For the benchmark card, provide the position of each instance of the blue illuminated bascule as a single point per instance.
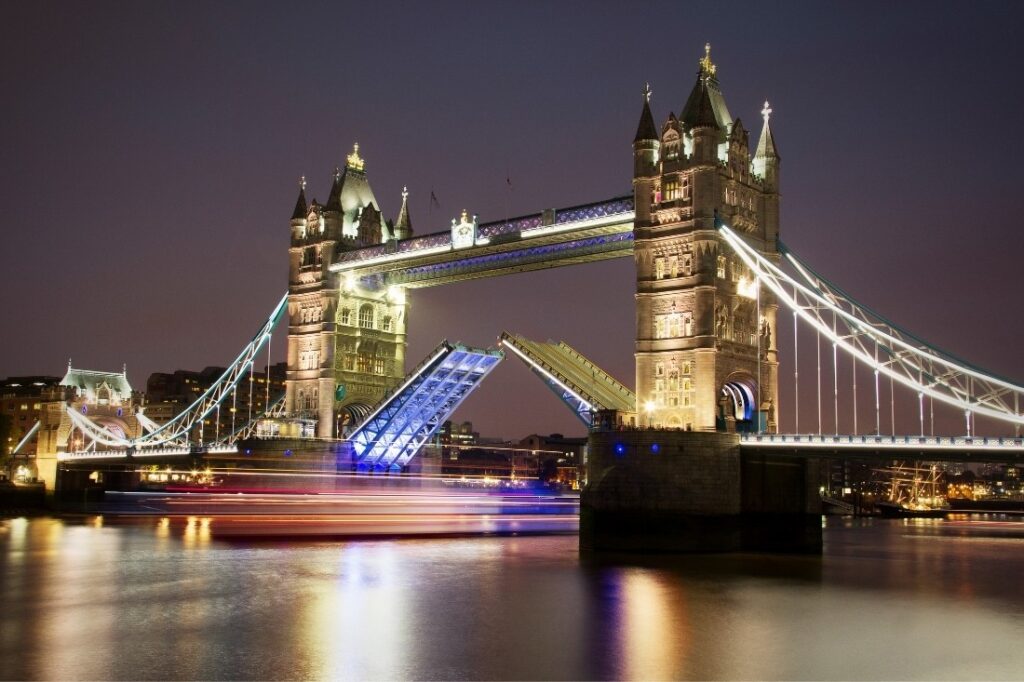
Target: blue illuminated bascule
(404, 420)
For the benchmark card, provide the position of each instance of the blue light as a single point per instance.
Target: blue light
(655, 448)
(248, 451)
(620, 449)
(287, 453)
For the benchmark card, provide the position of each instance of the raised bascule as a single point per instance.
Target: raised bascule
(693, 453)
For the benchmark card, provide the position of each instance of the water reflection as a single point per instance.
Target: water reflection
(163, 598)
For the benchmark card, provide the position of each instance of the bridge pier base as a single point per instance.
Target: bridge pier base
(678, 491)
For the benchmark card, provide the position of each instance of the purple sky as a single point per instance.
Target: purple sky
(151, 154)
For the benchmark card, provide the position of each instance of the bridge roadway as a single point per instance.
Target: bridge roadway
(988, 449)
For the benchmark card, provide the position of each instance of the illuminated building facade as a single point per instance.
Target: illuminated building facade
(705, 338)
(21, 402)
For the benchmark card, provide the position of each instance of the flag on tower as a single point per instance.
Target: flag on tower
(433, 199)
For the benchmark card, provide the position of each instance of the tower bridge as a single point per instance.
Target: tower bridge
(703, 227)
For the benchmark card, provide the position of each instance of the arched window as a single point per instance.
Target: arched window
(366, 316)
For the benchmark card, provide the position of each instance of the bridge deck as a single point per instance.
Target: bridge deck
(576, 380)
(937, 448)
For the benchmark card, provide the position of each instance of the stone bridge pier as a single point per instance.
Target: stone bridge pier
(654, 490)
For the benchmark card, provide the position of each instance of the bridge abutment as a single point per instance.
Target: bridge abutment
(654, 490)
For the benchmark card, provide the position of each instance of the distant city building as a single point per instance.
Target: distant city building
(170, 393)
(21, 402)
(559, 458)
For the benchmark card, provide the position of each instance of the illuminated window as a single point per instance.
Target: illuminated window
(671, 190)
(659, 268)
(378, 365)
(673, 266)
(364, 363)
(721, 267)
(687, 265)
(659, 327)
(673, 329)
(366, 316)
(687, 368)
(346, 316)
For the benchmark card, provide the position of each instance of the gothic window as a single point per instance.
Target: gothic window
(671, 191)
(686, 188)
(346, 316)
(687, 325)
(687, 265)
(673, 266)
(364, 363)
(673, 330)
(721, 267)
(659, 268)
(659, 384)
(309, 359)
(737, 272)
(659, 369)
(687, 384)
(386, 323)
(319, 256)
(659, 327)
(366, 316)
(687, 368)
(378, 365)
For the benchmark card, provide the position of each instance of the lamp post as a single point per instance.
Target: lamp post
(649, 409)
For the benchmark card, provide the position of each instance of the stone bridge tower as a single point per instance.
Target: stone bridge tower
(346, 339)
(706, 354)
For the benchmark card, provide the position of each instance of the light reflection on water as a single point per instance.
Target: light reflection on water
(156, 598)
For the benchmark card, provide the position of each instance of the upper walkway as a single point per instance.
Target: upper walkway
(552, 238)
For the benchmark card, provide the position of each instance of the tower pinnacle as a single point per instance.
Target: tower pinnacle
(300, 204)
(646, 130)
(353, 160)
(707, 67)
(766, 112)
(403, 225)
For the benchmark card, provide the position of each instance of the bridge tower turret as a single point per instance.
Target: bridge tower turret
(346, 338)
(705, 343)
(646, 147)
(309, 383)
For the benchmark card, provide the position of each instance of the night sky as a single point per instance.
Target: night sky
(151, 154)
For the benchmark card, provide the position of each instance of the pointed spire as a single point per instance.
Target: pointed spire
(766, 145)
(334, 200)
(699, 112)
(646, 129)
(403, 226)
(300, 204)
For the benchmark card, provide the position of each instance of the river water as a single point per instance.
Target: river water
(151, 598)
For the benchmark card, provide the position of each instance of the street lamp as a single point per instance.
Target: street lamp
(649, 409)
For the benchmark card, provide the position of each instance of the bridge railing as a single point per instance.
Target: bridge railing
(867, 441)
